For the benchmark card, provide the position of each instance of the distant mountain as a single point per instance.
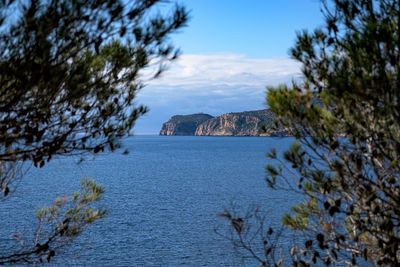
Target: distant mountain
(247, 123)
(184, 124)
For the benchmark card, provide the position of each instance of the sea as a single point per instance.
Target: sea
(163, 199)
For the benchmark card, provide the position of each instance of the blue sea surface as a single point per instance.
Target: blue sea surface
(163, 199)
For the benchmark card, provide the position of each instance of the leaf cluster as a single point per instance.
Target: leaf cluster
(69, 74)
(70, 71)
(59, 224)
(345, 116)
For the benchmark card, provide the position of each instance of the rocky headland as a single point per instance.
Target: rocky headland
(184, 124)
(247, 123)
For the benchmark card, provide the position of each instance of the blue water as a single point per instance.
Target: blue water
(163, 199)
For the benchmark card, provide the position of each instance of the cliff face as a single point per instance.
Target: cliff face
(229, 124)
(183, 124)
(246, 123)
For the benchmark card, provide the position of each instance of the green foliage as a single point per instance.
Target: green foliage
(193, 118)
(345, 114)
(69, 74)
(71, 216)
(59, 224)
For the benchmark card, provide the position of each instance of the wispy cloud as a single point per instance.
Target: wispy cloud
(227, 70)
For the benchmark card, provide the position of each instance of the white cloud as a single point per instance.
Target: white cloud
(226, 70)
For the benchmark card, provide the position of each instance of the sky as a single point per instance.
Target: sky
(230, 51)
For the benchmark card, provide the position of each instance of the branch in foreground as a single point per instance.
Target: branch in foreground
(59, 225)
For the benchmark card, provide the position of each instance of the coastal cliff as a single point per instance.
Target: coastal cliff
(246, 123)
(184, 124)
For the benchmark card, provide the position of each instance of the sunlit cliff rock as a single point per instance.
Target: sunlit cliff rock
(248, 123)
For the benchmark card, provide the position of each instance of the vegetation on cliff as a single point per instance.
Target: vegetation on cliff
(247, 123)
(184, 124)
